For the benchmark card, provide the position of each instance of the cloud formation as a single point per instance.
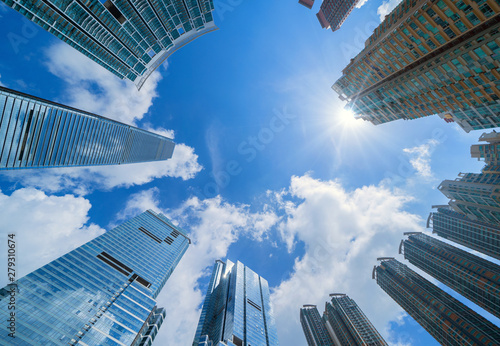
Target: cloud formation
(420, 157)
(343, 232)
(386, 8)
(45, 227)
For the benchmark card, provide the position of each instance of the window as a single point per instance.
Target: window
(115, 12)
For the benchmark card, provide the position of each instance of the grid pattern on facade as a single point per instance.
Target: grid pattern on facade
(314, 327)
(130, 38)
(473, 277)
(449, 321)
(457, 227)
(81, 298)
(39, 133)
(335, 12)
(429, 58)
(237, 308)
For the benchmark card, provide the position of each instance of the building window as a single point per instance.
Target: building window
(115, 12)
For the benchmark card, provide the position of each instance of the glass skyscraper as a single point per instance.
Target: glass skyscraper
(37, 133)
(237, 309)
(130, 38)
(473, 277)
(347, 323)
(333, 13)
(479, 236)
(101, 293)
(314, 327)
(449, 321)
(429, 57)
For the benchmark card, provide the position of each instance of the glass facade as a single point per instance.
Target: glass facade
(479, 236)
(429, 57)
(314, 327)
(473, 277)
(349, 324)
(102, 293)
(37, 133)
(130, 38)
(237, 309)
(449, 321)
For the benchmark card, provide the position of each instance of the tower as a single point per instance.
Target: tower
(237, 309)
(37, 133)
(102, 292)
(333, 13)
(449, 321)
(314, 327)
(130, 38)
(428, 58)
(473, 277)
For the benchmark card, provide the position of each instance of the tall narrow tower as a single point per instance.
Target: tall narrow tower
(449, 321)
(473, 277)
(333, 13)
(314, 327)
(429, 57)
(237, 309)
(348, 324)
(101, 293)
(130, 38)
(37, 133)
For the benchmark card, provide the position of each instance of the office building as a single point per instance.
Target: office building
(314, 327)
(37, 133)
(473, 277)
(130, 38)
(237, 309)
(101, 293)
(333, 13)
(476, 235)
(449, 321)
(348, 325)
(429, 57)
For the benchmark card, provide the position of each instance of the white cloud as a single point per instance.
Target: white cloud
(94, 89)
(213, 225)
(420, 157)
(344, 232)
(46, 227)
(386, 8)
(361, 3)
(82, 180)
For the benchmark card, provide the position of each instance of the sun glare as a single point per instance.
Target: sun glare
(346, 118)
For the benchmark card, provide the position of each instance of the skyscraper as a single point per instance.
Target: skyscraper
(128, 37)
(39, 133)
(333, 13)
(478, 195)
(479, 236)
(347, 323)
(101, 293)
(237, 310)
(314, 327)
(426, 58)
(449, 321)
(473, 277)
(307, 3)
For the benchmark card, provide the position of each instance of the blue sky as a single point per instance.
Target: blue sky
(268, 168)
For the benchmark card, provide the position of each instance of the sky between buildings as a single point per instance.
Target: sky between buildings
(268, 168)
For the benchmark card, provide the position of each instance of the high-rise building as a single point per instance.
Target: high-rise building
(237, 309)
(489, 153)
(130, 38)
(479, 236)
(473, 277)
(333, 13)
(449, 321)
(348, 325)
(429, 57)
(101, 293)
(307, 3)
(39, 133)
(314, 327)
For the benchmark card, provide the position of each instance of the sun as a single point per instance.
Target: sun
(346, 118)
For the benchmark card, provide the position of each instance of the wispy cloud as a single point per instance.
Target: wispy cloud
(420, 157)
(361, 3)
